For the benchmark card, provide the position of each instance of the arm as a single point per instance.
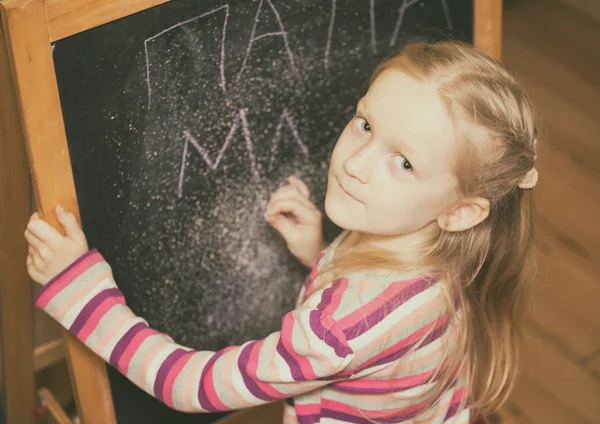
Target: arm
(309, 348)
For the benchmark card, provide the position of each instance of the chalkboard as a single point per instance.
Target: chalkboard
(182, 119)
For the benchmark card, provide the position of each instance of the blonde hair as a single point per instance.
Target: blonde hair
(487, 269)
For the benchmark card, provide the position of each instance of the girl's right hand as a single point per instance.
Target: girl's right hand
(298, 220)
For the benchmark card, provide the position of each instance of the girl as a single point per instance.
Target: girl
(411, 314)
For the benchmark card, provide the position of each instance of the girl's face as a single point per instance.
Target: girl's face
(391, 172)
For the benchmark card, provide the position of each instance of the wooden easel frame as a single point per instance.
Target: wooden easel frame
(34, 142)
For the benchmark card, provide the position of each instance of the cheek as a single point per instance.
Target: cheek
(406, 207)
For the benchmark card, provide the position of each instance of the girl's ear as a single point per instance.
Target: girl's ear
(465, 214)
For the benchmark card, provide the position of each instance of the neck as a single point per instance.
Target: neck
(407, 244)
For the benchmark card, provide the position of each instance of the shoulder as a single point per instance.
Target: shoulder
(362, 294)
(373, 311)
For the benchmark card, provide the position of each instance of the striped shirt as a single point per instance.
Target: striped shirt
(361, 349)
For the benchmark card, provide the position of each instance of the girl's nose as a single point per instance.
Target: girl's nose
(361, 163)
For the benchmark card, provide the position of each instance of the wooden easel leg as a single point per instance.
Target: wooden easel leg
(27, 38)
(56, 415)
(16, 317)
(487, 28)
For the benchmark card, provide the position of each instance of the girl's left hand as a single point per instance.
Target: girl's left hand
(49, 251)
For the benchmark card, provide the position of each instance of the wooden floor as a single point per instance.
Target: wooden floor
(556, 52)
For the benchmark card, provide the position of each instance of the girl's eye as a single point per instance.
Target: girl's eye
(402, 163)
(363, 125)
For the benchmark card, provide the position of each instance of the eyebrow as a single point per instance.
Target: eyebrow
(397, 142)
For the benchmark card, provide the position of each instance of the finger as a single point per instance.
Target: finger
(44, 232)
(70, 224)
(33, 241)
(299, 184)
(302, 213)
(283, 226)
(36, 260)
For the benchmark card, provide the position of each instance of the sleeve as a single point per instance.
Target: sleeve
(307, 353)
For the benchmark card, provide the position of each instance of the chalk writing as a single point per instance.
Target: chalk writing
(253, 38)
(405, 5)
(285, 116)
(329, 35)
(372, 25)
(222, 58)
(239, 119)
(447, 13)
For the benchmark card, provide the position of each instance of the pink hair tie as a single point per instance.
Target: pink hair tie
(530, 179)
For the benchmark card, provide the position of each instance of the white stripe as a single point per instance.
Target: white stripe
(359, 292)
(181, 379)
(154, 366)
(437, 415)
(195, 402)
(76, 309)
(138, 357)
(124, 328)
(236, 378)
(76, 284)
(103, 324)
(282, 367)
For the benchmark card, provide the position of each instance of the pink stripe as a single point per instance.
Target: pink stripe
(133, 347)
(339, 406)
(146, 362)
(226, 368)
(383, 339)
(396, 383)
(68, 277)
(409, 381)
(336, 297)
(95, 318)
(403, 325)
(67, 304)
(371, 413)
(252, 372)
(414, 337)
(172, 376)
(194, 370)
(286, 338)
(458, 395)
(307, 409)
(209, 383)
(376, 303)
(116, 324)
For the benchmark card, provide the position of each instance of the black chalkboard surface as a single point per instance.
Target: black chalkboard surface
(182, 119)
